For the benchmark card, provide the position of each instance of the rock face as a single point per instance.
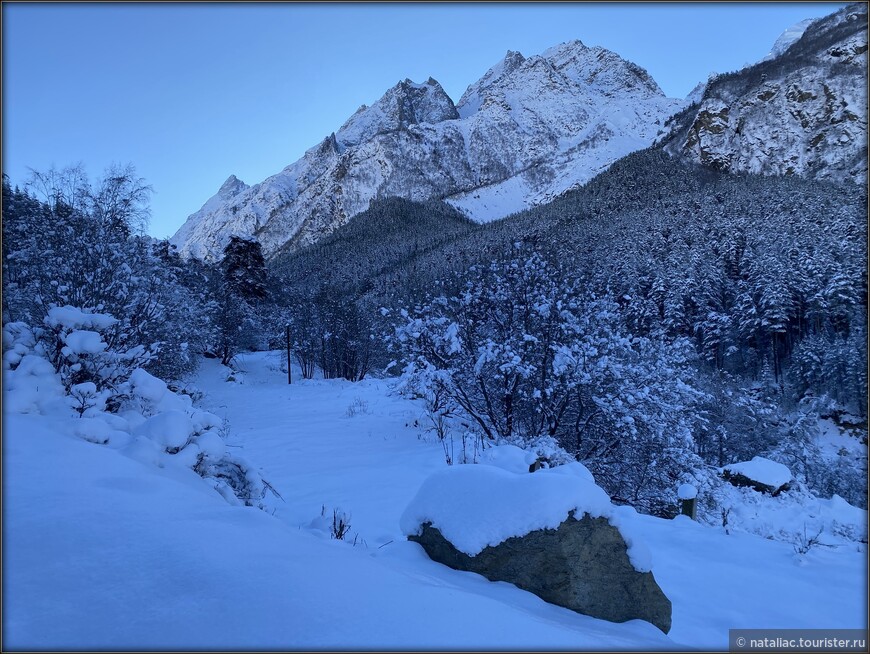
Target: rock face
(534, 127)
(802, 111)
(736, 479)
(529, 129)
(582, 565)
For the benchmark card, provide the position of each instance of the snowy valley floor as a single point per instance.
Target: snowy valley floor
(104, 552)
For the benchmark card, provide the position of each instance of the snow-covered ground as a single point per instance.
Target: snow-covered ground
(104, 551)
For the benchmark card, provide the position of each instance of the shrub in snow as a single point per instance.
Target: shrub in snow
(235, 478)
(340, 524)
(171, 429)
(520, 353)
(358, 407)
(149, 395)
(81, 246)
(553, 533)
(18, 340)
(146, 386)
(783, 517)
(29, 381)
(134, 412)
(804, 543)
(191, 437)
(78, 345)
(333, 523)
(85, 398)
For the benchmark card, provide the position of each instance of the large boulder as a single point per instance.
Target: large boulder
(501, 525)
(582, 565)
(760, 474)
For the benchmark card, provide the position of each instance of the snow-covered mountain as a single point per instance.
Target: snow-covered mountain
(802, 111)
(529, 129)
(788, 37)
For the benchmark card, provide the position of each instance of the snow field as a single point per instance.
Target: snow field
(107, 551)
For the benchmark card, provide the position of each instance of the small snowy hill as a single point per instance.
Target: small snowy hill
(103, 551)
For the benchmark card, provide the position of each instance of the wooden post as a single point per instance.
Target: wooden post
(688, 496)
(689, 508)
(289, 362)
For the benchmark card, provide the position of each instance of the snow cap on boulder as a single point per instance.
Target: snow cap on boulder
(476, 506)
(761, 474)
(555, 534)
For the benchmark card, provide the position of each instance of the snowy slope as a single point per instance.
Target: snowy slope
(529, 129)
(588, 104)
(788, 37)
(103, 551)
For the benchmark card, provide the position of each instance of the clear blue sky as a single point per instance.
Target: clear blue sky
(190, 93)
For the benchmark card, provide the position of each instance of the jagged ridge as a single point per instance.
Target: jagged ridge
(529, 129)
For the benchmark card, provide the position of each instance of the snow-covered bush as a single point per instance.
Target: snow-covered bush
(77, 344)
(81, 245)
(521, 354)
(358, 407)
(192, 436)
(66, 370)
(30, 382)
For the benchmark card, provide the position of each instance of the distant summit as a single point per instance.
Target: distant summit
(788, 37)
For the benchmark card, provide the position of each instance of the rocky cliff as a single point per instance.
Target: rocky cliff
(802, 111)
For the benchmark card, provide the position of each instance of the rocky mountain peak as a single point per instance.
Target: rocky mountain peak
(601, 69)
(476, 93)
(592, 69)
(406, 103)
(529, 129)
(329, 145)
(788, 37)
(513, 59)
(424, 103)
(233, 186)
